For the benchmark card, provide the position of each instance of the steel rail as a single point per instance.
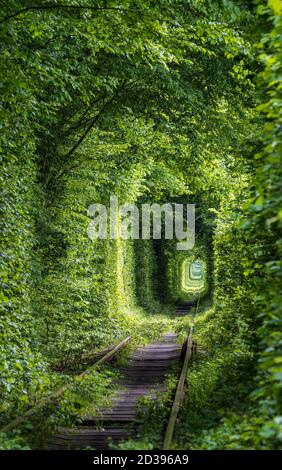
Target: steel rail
(179, 394)
(55, 395)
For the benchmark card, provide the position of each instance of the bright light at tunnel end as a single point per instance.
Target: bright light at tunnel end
(145, 221)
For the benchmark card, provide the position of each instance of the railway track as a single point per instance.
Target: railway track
(143, 376)
(183, 308)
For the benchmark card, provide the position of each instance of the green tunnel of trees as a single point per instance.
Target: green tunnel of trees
(152, 102)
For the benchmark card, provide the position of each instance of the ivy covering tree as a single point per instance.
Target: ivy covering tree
(153, 102)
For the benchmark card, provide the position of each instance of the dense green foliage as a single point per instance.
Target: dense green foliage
(242, 331)
(151, 102)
